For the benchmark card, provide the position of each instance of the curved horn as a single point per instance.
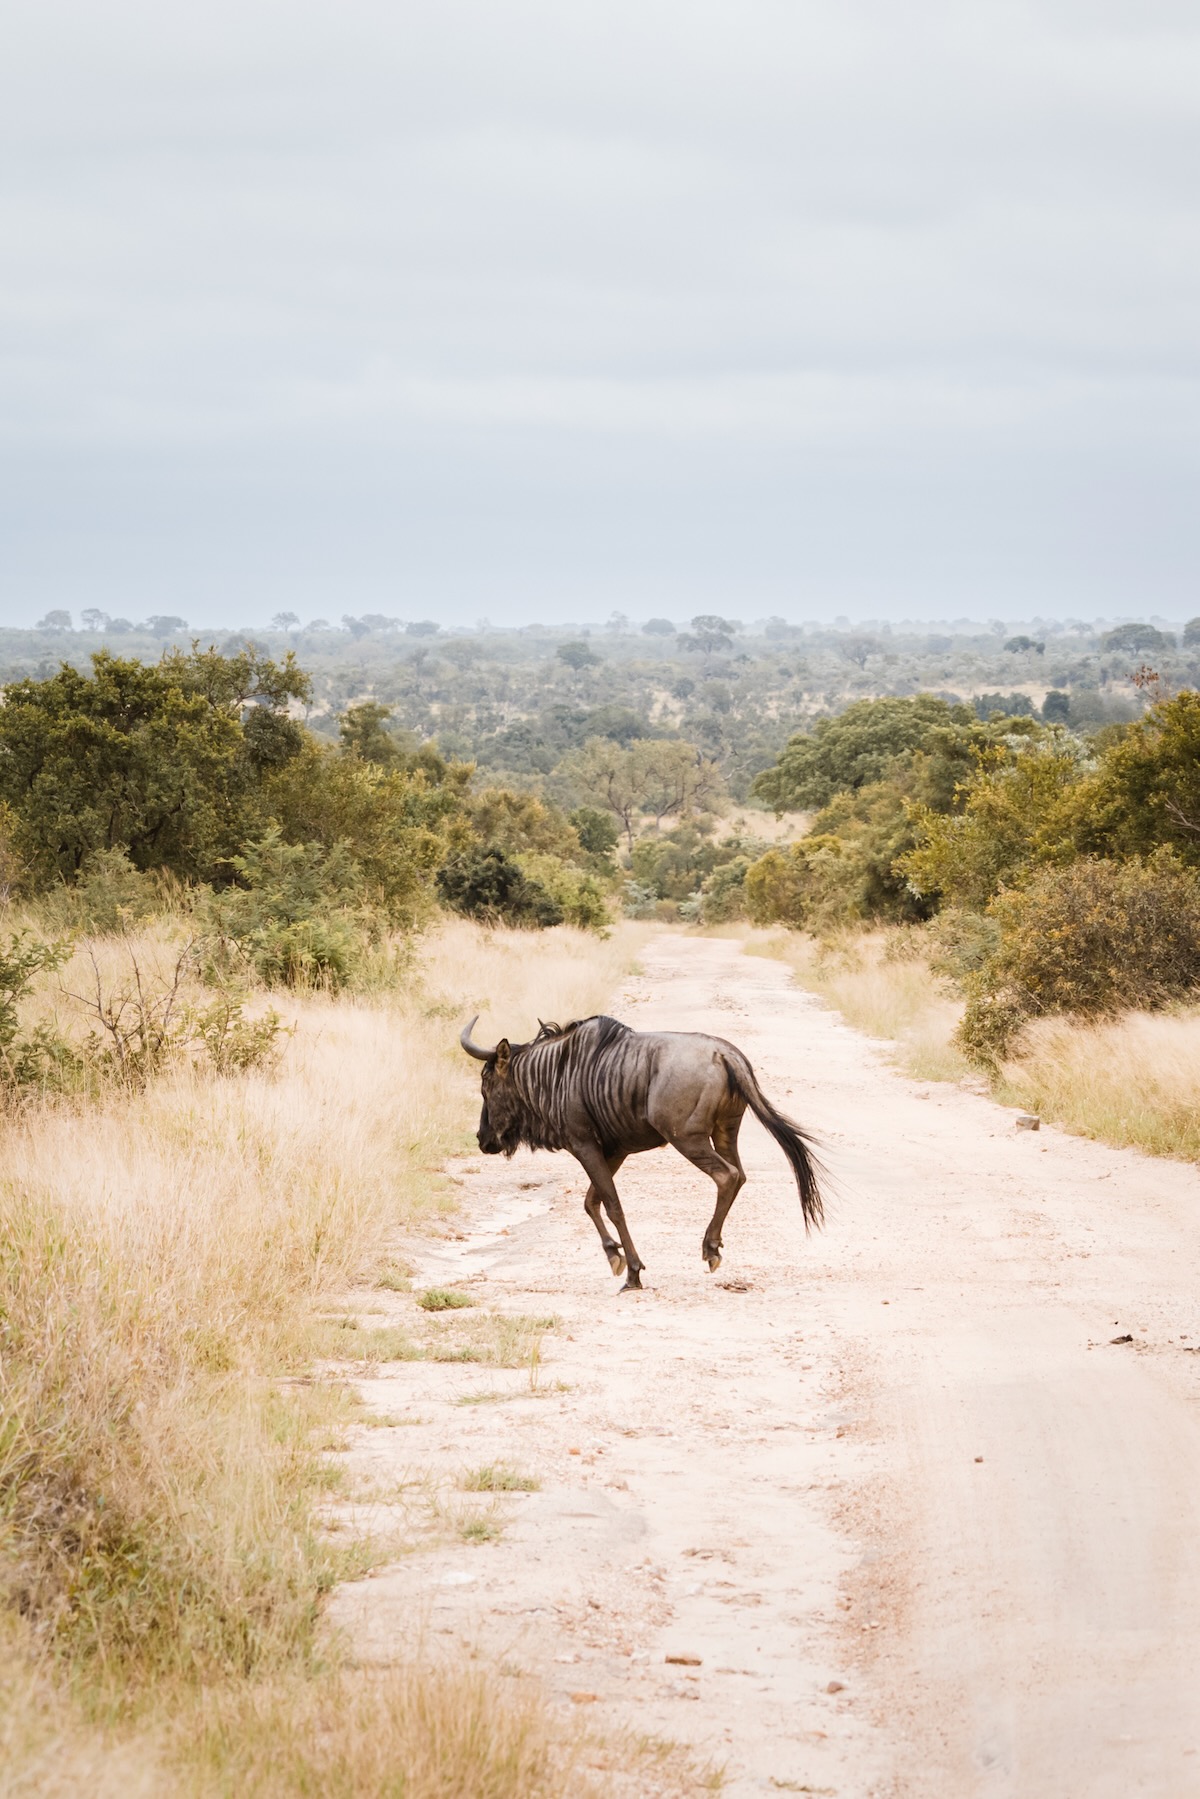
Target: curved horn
(473, 1049)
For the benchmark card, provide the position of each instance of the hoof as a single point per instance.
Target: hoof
(617, 1264)
(633, 1284)
(713, 1260)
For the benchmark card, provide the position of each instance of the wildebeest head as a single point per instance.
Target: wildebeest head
(500, 1121)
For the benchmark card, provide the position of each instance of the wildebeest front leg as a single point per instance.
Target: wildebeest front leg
(591, 1206)
(597, 1170)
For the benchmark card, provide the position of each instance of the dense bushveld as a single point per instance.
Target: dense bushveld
(175, 1237)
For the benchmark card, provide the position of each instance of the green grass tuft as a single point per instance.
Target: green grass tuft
(443, 1299)
(498, 1477)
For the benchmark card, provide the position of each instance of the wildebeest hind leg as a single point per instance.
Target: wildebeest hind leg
(591, 1206)
(596, 1168)
(719, 1160)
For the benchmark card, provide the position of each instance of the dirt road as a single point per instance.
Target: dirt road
(902, 1460)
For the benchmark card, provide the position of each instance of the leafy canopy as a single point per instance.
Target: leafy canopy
(168, 760)
(861, 745)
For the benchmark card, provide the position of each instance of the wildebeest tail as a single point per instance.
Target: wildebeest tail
(795, 1143)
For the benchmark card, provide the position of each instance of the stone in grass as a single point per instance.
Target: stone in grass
(1028, 1121)
(443, 1299)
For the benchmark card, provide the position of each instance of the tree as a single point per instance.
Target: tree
(422, 627)
(618, 624)
(355, 626)
(488, 885)
(1016, 645)
(658, 627)
(55, 621)
(167, 761)
(606, 773)
(285, 621)
(857, 649)
(1137, 638)
(362, 732)
(397, 823)
(663, 777)
(1056, 707)
(165, 624)
(1018, 813)
(1191, 633)
(519, 823)
(673, 778)
(597, 832)
(577, 655)
(709, 634)
(1146, 790)
(93, 619)
(859, 746)
(379, 621)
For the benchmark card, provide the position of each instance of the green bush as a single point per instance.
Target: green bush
(578, 893)
(1091, 939)
(813, 885)
(488, 885)
(300, 919)
(723, 895)
(111, 896)
(638, 900)
(597, 831)
(28, 1058)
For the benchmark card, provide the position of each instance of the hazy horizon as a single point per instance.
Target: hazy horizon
(531, 314)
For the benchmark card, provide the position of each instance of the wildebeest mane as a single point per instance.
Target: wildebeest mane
(562, 1062)
(607, 1029)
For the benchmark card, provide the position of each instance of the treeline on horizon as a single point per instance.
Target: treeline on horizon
(515, 701)
(300, 815)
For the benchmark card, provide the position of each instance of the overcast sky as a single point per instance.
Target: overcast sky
(534, 311)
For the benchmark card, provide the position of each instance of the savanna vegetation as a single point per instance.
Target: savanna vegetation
(247, 888)
(230, 957)
(1007, 895)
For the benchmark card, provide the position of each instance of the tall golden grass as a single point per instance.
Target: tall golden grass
(1133, 1081)
(164, 1255)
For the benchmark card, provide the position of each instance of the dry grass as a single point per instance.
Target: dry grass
(881, 986)
(165, 1258)
(423, 1731)
(1134, 1081)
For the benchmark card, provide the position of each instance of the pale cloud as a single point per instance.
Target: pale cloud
(522, 309)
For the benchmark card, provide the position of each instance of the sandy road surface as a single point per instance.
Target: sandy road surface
(906, 1458)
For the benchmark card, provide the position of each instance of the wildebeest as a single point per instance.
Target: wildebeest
(605, 1092)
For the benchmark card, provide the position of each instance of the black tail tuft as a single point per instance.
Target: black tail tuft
(796, 1144)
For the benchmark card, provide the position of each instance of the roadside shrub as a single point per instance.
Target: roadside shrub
(638, 900)
(578, 894)
(146, 1017)
(301, 918)
(37, 1057)
(109, 897)
(723, 895)
(814, 885)
(957, 943)
(488, 885)
(1090, 940)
